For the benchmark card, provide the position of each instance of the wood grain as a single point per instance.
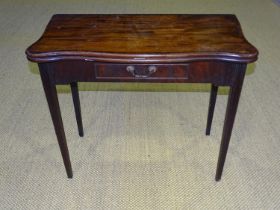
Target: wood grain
(142, 39)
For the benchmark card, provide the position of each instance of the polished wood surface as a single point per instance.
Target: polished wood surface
(143, 39)
(143, 48)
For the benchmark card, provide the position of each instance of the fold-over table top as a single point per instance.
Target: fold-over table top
(142, 38)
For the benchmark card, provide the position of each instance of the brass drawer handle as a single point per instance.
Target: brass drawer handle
(147, 73)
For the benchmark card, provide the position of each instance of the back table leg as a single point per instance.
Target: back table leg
(51, 95)
(212, 102)
(77, 106)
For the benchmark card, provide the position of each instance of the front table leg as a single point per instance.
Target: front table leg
(234, 94)
(51, 95)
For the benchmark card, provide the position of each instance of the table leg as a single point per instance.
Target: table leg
(233, 99)
(77, 106)
(51, 95)
(212, 102)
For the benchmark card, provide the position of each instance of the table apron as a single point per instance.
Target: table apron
(218, 73)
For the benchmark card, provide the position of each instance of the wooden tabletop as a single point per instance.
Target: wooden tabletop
(143, 38)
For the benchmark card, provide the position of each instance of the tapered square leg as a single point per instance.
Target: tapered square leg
(51, 96)
(77, 106)
(211, 108)
(232, 105)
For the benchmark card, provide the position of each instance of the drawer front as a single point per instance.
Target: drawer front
(200, 72)
(141, 71)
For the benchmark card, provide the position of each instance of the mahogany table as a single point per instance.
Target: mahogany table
(143, 48)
